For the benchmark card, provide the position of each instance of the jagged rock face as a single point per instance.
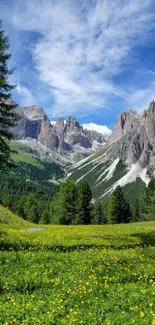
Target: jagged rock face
(64, 137)
(127, 122)
(59, 129)
(148, 120)
(133, 138)
(73, 133)
(94, 136)
(34, 124)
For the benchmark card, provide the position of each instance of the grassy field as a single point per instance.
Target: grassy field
(92, 275)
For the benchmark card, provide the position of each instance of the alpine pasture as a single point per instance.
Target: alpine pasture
(90, 275)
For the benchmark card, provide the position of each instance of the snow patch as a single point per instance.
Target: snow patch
(111, 169)
(135, 171)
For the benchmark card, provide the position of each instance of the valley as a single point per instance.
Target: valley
(77, 162)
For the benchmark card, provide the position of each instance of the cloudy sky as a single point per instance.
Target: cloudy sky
(87, 58)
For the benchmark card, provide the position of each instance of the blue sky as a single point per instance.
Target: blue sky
(88, 58)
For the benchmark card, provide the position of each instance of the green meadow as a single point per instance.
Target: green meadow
(92, 275)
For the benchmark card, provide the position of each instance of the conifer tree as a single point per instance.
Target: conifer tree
(98, 214)
(84, 205)
(65, 205)
(136, 211)
(8, 116)
(118, 207)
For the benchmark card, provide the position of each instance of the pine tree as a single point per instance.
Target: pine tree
(136, 211)
(118, 207)
(65, 205)
(98, 214)
(8, 117)
(84, 206)
(147, 202)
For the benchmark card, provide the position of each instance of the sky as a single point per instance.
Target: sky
(91, 59)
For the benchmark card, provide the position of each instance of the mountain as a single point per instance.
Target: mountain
(127, 159)
(68, 139)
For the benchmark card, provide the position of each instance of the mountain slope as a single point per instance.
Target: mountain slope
(37, 164)
(128, 158)
(9, 218)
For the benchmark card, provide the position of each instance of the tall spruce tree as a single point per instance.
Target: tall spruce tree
(98, 215)
(136, 211)
(118, 207)
(84, 206)
(65, 205)
(8, 117)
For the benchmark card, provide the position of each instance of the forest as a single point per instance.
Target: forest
(71, 203)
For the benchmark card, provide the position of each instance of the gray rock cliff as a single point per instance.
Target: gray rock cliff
(62, 137)
(133, 138)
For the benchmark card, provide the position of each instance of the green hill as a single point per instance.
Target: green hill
(9, 218)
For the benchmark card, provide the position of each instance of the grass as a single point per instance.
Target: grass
(9, 218)
(23, 156)
(92, 275)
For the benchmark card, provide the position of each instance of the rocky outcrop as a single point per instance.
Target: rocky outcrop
(74, 134)
(33, 123)
(127, 123)
(133, 138)
(62, 137)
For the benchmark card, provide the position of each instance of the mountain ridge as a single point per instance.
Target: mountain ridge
(127, 157)
(68, 139)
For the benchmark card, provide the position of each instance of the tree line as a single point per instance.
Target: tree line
(71, 203)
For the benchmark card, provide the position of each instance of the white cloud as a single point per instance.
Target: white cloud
(103, 129)
(83, 45)
(53, 122)
(98, 128)
(26, 96)
(141, 98)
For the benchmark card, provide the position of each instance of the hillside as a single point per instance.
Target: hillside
(105, 174)
(11, 219)
(35, 164)
(127, 159)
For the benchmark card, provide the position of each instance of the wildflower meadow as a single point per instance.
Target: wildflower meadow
(92, 275)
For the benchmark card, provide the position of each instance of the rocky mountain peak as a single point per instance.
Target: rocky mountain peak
(125, 123)
(151, 107)
(60, 123)
(33, 112)
(148, 120)
(65, 137)
(72, 124)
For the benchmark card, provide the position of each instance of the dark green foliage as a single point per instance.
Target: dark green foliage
(136, 211)
(29, 200)
(84, 206)
(151, 186)
(118, 208)
(134, 190)
(99, 215)
(34, 173)
(146, 203)
(8, 116)
(72, 204)
(65, 205)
